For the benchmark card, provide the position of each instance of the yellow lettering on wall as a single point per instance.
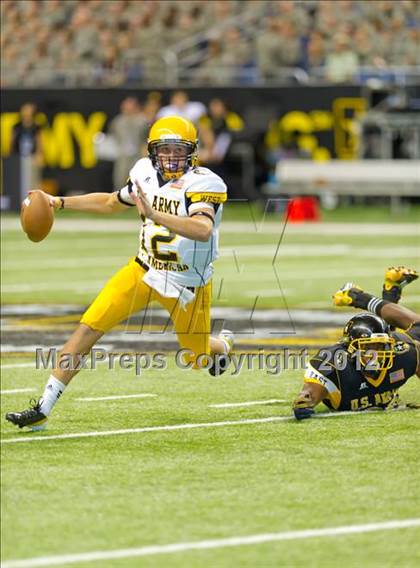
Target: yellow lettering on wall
(57, 143)
(8, 120)
(59, 138)
(297, 120)
(321, 119)
(346, 111)
(305, 125)
(84, 132)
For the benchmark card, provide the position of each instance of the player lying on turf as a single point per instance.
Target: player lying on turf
(370, 363)
(181, 208)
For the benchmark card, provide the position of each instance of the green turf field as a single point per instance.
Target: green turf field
(246, 479)
(68, 496)
(302, 272)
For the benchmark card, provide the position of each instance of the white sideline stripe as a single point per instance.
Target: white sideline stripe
(95, 556)
(16, 365)
(146, 429)
(94, 399)
(249, 403)
(13, 391)
(28, 438)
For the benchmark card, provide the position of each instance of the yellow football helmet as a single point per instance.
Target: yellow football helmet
(172, 146)
(367, 339)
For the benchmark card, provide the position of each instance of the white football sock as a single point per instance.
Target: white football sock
(53, 390)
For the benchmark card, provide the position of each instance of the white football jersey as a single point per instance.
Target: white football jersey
(190, 262)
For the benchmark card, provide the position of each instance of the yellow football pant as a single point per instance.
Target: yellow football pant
(126, 293)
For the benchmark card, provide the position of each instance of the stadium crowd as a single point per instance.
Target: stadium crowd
(131, 42)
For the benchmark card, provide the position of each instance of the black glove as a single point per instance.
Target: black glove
(303, 406)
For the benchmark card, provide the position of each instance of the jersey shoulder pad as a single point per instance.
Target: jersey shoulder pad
(203, 185)
(325, 359)
(401, 347)
(319, 367)
(140, 169)
(320, 371)
(411, 334)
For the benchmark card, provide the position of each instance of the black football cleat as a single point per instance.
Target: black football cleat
(31, 418)
(220, 365)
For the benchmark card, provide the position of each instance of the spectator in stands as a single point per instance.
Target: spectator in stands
(363, 43)
(27, 143)
(411, 52)
(293, 13)
(84, 31)
(405, 46)
(277, 48)
(169, 33)
(267, 49)
(129, 130)
(181, 105)
(315, 51)
(55, 13)
(151, 106)
(41, 70)
(279, 29)
(218, 128)
(236, 50)
(341, 64)
(61, 40)
(221, 119)
(146, 30)
(219, 10)
(290, 47)
(109, 71)
(212, 71)
(190, 23)
(12, 67)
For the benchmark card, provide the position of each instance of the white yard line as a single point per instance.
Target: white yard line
(259, 226)
(307, 250)
(27, 437)
(249, 403)
(119, 397)
(285, 277)
(234, 541)
(80, 286)
(17, 365)
(13, 391)
(68, 263)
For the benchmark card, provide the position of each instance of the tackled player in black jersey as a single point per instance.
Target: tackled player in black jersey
(371, 362)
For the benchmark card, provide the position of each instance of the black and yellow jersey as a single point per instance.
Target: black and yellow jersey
(349, 389)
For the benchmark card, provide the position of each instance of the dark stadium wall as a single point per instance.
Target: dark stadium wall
(70, 118)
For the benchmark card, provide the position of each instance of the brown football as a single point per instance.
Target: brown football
(36, 216)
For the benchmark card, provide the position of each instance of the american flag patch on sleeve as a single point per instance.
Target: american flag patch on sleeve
(396, 376)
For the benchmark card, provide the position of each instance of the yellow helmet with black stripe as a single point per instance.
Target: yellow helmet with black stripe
(172, 146)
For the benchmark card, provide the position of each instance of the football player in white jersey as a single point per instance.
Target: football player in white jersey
(181, 208)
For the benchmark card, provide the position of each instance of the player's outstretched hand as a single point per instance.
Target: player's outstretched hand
(143, 205)
(348, 295)
(396, 277)
(303, 406)
(55, 202)
(400, 275)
